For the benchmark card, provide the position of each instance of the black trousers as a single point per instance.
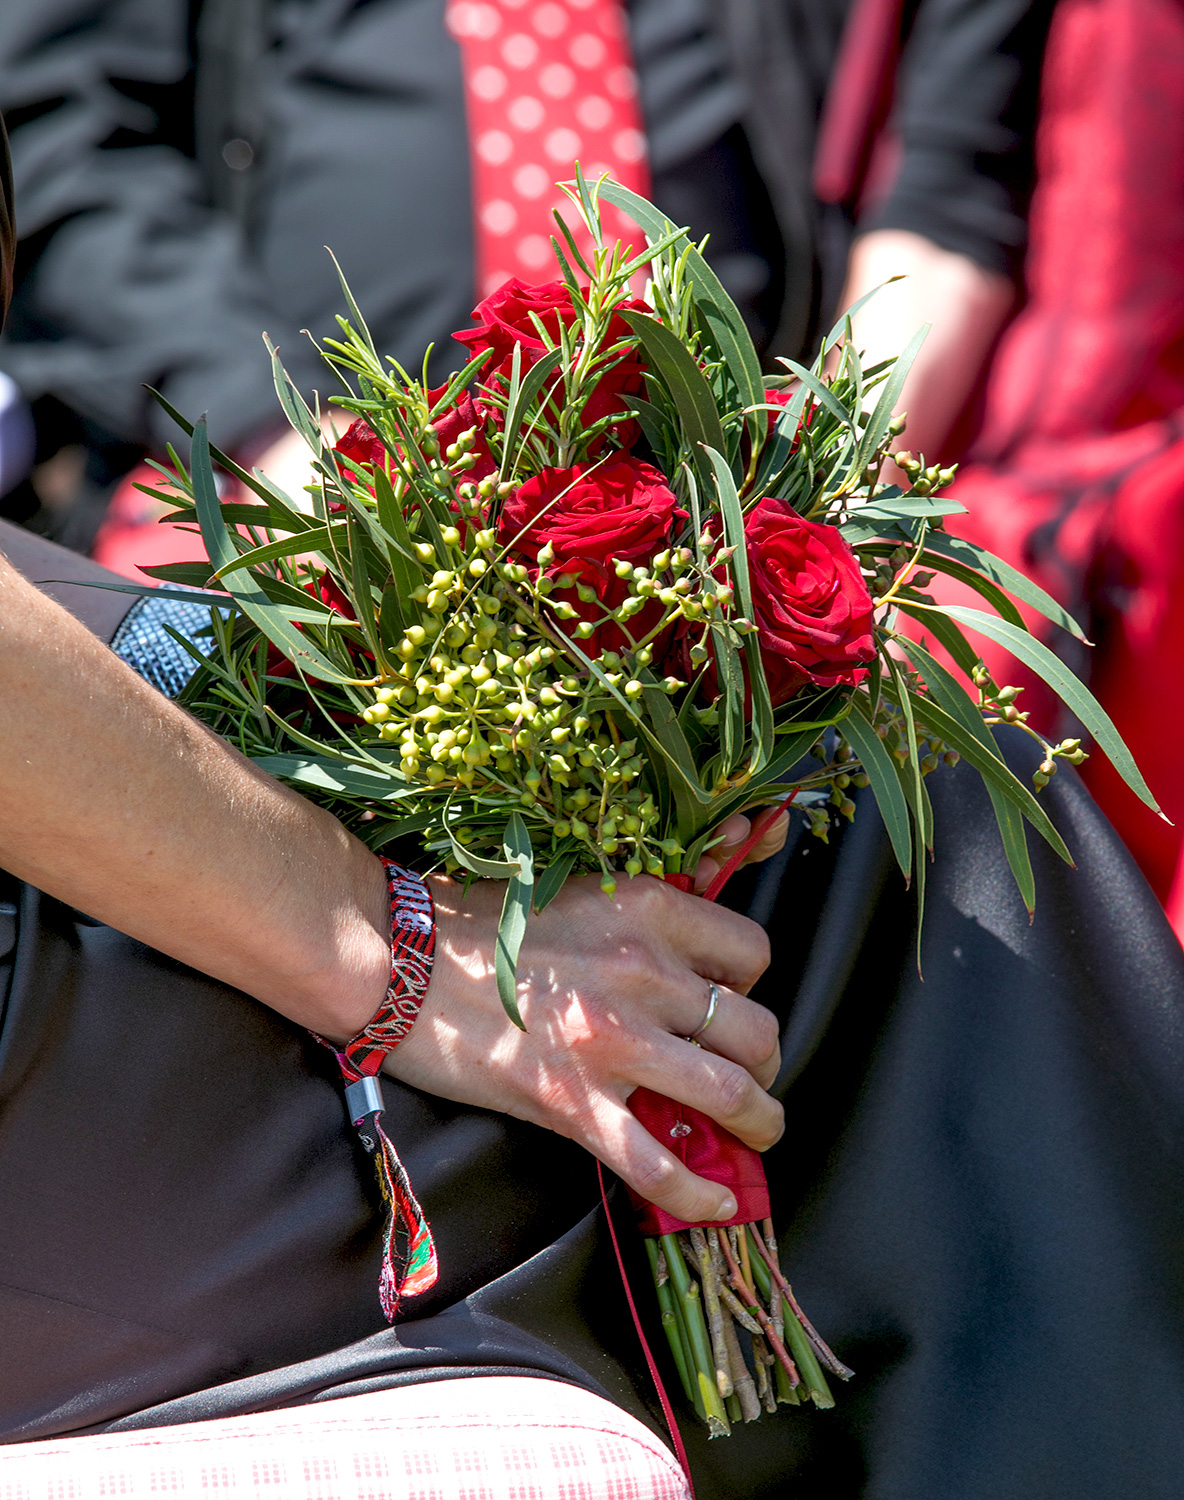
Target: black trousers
(979, 1194)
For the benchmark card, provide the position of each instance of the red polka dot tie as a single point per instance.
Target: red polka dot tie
(547, 83)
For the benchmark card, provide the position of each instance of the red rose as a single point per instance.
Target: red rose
(504, 320)
(812, 609)
(362, 445)
(780, 398)
(594, 515)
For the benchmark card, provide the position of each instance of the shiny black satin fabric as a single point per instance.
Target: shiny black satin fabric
(979, 1194)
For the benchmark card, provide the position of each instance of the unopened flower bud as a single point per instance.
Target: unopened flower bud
(424, 551)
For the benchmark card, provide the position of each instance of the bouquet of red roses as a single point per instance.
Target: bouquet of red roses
(607, 586)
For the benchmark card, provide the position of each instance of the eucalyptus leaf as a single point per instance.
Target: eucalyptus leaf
(323, 773)
(758, 687)
(490, 869)
(551, 881)
(950, 694)
(686, 383)
(195, 575)
(1071, 691)
(511, 929)
(822, 393)
(885, 784)
(906, 508)
(323, 539)
(1006, 577)
(991, 767)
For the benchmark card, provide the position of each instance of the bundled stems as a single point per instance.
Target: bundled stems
(701, 1363)
(738, 1338)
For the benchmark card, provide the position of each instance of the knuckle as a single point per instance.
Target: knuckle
(640, 970)
(654, 1175)
(758, 951)
(766, 1034)
(733, 1091)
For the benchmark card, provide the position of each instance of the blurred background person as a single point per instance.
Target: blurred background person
(1077, 473)
(180, 167)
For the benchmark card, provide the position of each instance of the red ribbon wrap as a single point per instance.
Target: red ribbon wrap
(709, 1151)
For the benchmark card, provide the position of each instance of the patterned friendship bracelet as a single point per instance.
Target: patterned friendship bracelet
(413, 946)
(409, 1254)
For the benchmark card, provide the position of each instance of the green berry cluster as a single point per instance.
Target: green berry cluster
(484, 702)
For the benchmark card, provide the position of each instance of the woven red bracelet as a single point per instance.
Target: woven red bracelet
(409, 1254)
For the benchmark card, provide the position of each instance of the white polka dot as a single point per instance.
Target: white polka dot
(587, 51)
(526, 113)
(532, 181)
(557, 80)
(550, 19)
(520, 50)
(629, 145)
(594, 112)
(493, 280)
(597, 170)
(495, 147)
(499, 217)
(488, 82)
(621, 83)
(581, 4)
(466, 18)
(534, 251)
(562, 145)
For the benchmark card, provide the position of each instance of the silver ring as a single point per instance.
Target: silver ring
(710, 1016)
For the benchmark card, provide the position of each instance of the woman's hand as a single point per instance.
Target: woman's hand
(609, 990)
(965, 306)
(733, 834)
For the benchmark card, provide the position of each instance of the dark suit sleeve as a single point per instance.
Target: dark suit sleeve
(127, 276)
(966, 117)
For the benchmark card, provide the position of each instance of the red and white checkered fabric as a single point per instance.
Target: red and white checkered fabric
(494, 1438)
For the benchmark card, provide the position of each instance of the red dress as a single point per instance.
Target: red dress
(1078, 473)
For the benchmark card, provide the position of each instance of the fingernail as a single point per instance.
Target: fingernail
(727, 1209)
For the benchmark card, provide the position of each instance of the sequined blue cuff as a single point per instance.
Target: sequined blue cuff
(143, 642)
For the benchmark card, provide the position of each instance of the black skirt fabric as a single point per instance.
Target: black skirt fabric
(979, 1193)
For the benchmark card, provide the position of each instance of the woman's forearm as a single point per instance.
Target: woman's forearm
(115, 800)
